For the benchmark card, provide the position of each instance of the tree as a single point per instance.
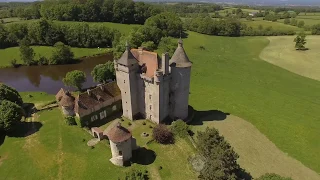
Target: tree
(300, 41)
(315, 29)
(286, 21)
(61, 54)
(167, 44)
(10, 94)
(149, 45)
(272, 176)
(180, 128)
(10, 115)
(103, 72)
(26, 52)
(300, 24)
(162, 134)
(75, 78)
(221, 160)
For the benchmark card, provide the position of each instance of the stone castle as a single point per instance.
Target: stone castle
(151, 87)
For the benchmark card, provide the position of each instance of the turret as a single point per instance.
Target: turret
(180, 66)
(126, 72)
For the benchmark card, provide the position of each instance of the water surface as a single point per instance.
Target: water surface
(49, 78)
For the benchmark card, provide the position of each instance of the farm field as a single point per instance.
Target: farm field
(229, 76)
(9, 54)
(57, 151)
(281, 52)
(275, 25)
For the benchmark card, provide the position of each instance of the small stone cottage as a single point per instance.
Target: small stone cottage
(121, 143)
(95, 104)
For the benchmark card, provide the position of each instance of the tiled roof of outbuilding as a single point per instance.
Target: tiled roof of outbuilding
(118, 133)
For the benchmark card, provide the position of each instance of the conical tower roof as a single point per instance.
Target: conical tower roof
(118, 133)
(67, 100)
(127, 58)
(180, 58)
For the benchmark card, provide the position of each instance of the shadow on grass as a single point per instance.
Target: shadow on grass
(242, 174)
(211, 115)
(25, 129)
(2, 138)
(143, 156)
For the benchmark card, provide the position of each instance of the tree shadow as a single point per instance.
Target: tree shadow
(143, 156)
(2, 138)
(25, 129)
(210, 115)
(29, 109)
(243, 174)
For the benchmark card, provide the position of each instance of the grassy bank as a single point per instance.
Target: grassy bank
(13, 53)
(228, 75)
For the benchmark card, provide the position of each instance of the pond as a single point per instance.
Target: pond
(49, 78)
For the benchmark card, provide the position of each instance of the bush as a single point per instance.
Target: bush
(129, 123)
(162, 134)
(144, 123)
(149, 45)
(180, 128)
(70, 120)
(13, 63)
(10, 94)
(136, 174)
(43, 61)
(272, 176)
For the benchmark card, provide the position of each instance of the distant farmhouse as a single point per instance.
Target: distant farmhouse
(95, 104)
(154, 88)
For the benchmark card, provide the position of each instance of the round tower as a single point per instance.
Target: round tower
(121, 144)
(180, 83)
(67, 104)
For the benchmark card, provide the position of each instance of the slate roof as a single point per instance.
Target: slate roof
(150, 59)
(180, 58)
(127, 58)
(118, 133)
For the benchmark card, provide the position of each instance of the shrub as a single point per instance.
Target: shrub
(272, 176)
(14, 63)
(160, 167)
(43, 61)
(162, 134)
(70, 120)
(144, 123)
(180, 128)
(136, 174)
(129, 123)
(150, 127)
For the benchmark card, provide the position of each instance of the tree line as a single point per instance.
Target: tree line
(47, 33)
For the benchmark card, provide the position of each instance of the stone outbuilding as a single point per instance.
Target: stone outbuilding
(66, 101)
(97, 133)
(121, 143)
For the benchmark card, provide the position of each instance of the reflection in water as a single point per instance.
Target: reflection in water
(48, 78)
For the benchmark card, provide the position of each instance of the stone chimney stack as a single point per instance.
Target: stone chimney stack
(165, 63)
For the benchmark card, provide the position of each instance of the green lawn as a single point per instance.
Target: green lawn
(275, 25)
(57, 151)
(13, 53)
(229, 75)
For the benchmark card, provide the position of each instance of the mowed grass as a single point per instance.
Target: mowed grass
(281, 52)
(8, 54)
(275, 25)
(229, 76)
(9, 20)
(57, 151)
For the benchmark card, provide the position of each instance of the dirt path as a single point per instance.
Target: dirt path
(258, 154)
(281, 52)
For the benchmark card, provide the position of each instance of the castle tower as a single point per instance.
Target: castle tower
(126, 72)
(180, 84)
(121, 143)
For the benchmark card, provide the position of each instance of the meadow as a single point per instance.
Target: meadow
(229, 76)
(9, 54)
(275, 25)
(58, 151)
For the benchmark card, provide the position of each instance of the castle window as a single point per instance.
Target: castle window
(124, 81)
(150, 96)
(120, 153)
(150, 107)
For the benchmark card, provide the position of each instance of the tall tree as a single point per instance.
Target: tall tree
(61, 54)
(103, 72)
(75, 78)
(300, 41)
(10, 94)
(10, 115)
(26, 52)
(221, 160)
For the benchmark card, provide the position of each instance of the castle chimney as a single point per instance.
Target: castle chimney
(165, 63)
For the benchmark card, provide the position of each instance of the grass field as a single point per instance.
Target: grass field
(57, 151)
(229, 76)
(281, 52)
(258, 155)
(13, 53)
(10, 20)
(275, 25)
